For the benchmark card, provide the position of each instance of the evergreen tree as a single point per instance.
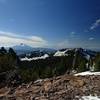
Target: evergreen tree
(12, 52)
(3, 50)
(97, 63)
(82, 66)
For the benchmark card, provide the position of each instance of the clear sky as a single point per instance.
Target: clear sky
(50, 23)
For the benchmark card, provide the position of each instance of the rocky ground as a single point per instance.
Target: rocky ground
(65, 87)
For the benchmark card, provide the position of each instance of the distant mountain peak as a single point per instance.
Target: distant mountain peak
(24, 48)
(22, 44)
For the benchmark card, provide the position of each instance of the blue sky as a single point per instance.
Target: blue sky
(50, 23)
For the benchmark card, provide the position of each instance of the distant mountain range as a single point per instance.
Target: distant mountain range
(23, 49)
(26, 49)
(41, 52)
(84, 52)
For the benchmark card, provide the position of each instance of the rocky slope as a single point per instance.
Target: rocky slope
(65, 87)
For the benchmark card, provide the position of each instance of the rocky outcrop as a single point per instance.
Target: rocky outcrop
(9, 78)
(63, 87)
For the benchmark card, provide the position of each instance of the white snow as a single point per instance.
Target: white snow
(87, 73)
(61, 53)
(38, 81)
(34, 58)
(87, 65)
(89, 98)
(76, 49)
(87, 57)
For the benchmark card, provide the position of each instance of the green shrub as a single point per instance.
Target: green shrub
(28, 74)
(82, 66)
(97, 63)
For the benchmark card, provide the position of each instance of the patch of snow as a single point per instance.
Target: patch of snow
(84, 49)
(74, 71)
(87, 65)
(87, 57)
(61, 53)
(76, 49)
(34, 58)
(38, 81)
(92, 68)
(89, 98)
(87, 73)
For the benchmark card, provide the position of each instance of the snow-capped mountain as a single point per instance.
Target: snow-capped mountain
(26, 49)
(87, 53)
(22, 47)
(61, 53)
(84, 52)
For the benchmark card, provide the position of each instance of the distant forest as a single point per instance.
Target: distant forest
(11, 68)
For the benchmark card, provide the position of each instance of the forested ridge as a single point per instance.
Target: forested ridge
(26, 71)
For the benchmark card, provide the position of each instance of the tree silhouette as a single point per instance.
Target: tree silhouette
(3, 50)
